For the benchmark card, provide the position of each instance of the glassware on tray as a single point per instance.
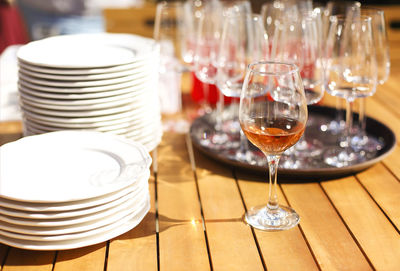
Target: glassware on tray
(273, 116)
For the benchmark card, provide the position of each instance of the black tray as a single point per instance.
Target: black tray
(203, 126)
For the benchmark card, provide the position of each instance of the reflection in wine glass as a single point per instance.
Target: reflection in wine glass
(351, 73)
(361, 140)
(273, 116)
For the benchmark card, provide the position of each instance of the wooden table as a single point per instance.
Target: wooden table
(195, 222)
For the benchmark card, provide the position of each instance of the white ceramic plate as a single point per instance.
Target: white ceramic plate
(66, 214)
(123, 120)
(135, 107)
(64, 207)
(141, 82)
(84, 98)
(88, 230)
(69, 166)
(70, 105)
(144, 69)
(83, 84)
(96, 120)
(87, 50)
(81, 224)
(95, 237)
(91, 71)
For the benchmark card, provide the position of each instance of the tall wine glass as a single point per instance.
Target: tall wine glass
(332, 8)
(206, 61)
(301, 44)
(361, 140)
(169, 33)
(273, 116)
(243, 41)
(351, 74)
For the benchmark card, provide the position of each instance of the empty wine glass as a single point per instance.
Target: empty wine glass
(273, 116)
(243, 41)
(361, 140)
(206, 62)
(346, 8)
(169, 33)
(301, 44)
(351, 73)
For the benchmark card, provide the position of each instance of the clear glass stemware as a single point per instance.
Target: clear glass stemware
(273, 116)
(361, 140)
(351, 73)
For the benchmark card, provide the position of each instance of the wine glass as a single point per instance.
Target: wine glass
(206, 63)
(301, 44)
(337, 7)
(243, 41)
(351, 73)
(169, 33)
(273, 116)
(361, 140)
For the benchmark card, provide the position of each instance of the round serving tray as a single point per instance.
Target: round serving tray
(203, 127)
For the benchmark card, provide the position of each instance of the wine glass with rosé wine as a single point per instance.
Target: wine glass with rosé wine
(273, 115)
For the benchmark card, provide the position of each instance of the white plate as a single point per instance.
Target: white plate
(135, 107)
(84, 98)
(108, 233)
(143, 69)
(81, 224)
(123, 128)
(142, 82)
(81, 205)
(91, 71)
(55, 215)
(69, 166)
(124, 120)
(84, 84)
(87, 50)
(96, 120)
(133, 129)
(69, 105)
(88, 230)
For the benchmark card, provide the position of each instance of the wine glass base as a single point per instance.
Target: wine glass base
(262, 218)
(366, 143)
(342, 158)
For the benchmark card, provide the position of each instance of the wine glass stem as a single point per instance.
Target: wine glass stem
(273, 161)
(349, 123)
(361, 117)
(220, 111)
(244, 145)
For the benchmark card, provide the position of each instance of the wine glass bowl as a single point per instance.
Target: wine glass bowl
(273, 116)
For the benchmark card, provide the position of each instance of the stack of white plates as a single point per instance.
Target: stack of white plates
(70, 189)
(102, 82)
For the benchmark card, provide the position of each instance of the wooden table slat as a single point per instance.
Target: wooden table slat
(375, 234)
(179, 211)
(330, 241)
(29, 260)
(231, 242)
(86, 258)
(127, 250)
(384, 189)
